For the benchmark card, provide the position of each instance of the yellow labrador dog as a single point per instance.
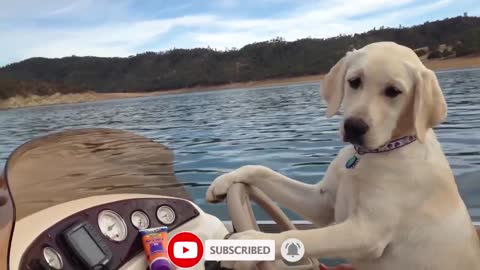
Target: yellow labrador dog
(389, 199)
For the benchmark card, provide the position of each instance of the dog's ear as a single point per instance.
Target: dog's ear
(332, 87)
(430, 107)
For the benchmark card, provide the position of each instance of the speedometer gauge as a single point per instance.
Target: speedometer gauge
(112, 225)
(140, 220)
(53, 258)
(165, 215)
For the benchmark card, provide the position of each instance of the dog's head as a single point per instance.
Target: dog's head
(387, 93)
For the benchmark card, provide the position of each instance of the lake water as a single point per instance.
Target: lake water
(283, 128)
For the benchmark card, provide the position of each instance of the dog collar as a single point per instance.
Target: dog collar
(392, 145)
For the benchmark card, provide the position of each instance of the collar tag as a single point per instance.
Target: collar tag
(352, 162)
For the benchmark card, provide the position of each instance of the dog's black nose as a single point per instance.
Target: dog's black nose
(355, 128)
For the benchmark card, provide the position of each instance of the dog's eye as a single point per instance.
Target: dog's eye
(355, 82)
(392, 92)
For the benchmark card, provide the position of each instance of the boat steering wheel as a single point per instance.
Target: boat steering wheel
(243, 219)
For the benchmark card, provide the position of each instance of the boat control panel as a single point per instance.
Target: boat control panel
(105, 236)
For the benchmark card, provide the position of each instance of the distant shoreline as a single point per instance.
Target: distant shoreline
(20, 102)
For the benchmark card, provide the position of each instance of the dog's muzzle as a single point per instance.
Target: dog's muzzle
(355, 129)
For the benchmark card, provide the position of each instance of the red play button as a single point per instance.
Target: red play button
(185, 250)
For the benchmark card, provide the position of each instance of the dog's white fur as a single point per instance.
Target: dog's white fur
(395, 210)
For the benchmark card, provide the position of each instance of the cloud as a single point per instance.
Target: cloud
(421, 9)
(120, 39)
(124, 31)
(71, 7)
(325, 20)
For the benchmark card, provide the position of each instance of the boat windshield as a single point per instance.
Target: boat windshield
(71, 165)
(7, 216)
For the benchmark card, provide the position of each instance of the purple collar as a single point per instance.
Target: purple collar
(392, 145)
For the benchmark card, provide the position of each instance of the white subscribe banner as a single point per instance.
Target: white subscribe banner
(239, 250)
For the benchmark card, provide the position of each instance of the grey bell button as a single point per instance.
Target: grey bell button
(292, 250)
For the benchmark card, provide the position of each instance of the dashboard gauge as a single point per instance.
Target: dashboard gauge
(112, 225)
(140, 220)
(166, 215)
(53, 258)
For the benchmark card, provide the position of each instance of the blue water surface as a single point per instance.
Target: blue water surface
(280, 127)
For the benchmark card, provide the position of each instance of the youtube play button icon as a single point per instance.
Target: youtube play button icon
(185, 250)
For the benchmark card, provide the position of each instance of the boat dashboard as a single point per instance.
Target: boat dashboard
(103, 235)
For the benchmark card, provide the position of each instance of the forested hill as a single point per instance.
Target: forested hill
(263, 60)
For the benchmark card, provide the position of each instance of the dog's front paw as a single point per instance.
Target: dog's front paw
(217, 191)
(244, 265)
(219, 188)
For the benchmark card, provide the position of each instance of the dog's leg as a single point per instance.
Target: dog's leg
(309, 201)
(344, 240)
(349, 240)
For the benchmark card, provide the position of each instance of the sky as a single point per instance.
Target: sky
(58, 28)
